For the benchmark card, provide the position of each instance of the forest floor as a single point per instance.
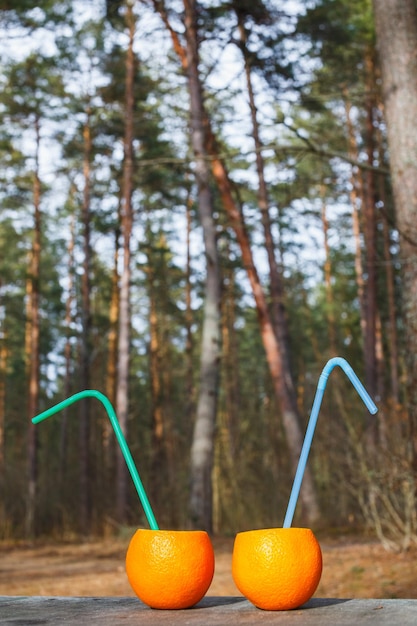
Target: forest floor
(352, 569)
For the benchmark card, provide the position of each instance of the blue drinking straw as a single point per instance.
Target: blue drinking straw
(370, 405)
(120, 438)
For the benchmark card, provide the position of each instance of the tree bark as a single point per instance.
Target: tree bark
(32, 343)
(202, 449)
(85, 347)
(390, 277)
(356, 193)
(231, 366)
(396, 30)
(63, 443)
(158, 456)
(392, 313)
(328, 279)
(111, 370)
(108, 440)
(123, 353)
(278, 312)
(111, 373)
(189, 319)
(3, 369)
(370, 241)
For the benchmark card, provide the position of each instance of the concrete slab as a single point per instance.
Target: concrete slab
(28, 611)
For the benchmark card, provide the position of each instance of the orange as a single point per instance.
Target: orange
(170, 569)
(277, 568)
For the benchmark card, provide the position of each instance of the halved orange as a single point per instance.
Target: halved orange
(170, 569)
(277, 568)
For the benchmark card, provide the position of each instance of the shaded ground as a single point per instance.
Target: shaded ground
(351, 569)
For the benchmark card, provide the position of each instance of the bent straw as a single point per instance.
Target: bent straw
(120, 438)
(369, 403)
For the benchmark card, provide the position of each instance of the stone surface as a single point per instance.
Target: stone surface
(28, 611)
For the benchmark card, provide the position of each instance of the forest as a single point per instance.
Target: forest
(201, 203)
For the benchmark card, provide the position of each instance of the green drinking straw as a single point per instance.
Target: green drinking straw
(369, 403)
(120, 438)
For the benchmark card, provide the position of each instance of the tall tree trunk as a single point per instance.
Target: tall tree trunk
(163, 458)
(363, 194)
(392, 311)
(356, 193)
(230, 359)
(85, 347)
(278, 313)
(370, 240)
(111, 373)
(123, 355)
(396, 30)
(202, 449)
(392, 334)
(67, 348)
(158, 457)
(189, 319)
(3, 369)
(32, 343)
(228, 502)
(328, 279)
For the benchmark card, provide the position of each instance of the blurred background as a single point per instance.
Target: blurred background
(196, 213)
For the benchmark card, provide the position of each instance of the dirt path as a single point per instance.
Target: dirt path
(351, 569)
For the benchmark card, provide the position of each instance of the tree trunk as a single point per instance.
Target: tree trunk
(123, 355)
(392, 334)
(63, 443)
(392, 313)
(202, 449)
(328, 280)
(3, 366)
(370, 242)
(32, 345)
(189, 319)
(3, 370)
(396, 29)
(111, 373)
(85, 348)
(278, 312)
(158, 456)
(356, 193)
(230, 359)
